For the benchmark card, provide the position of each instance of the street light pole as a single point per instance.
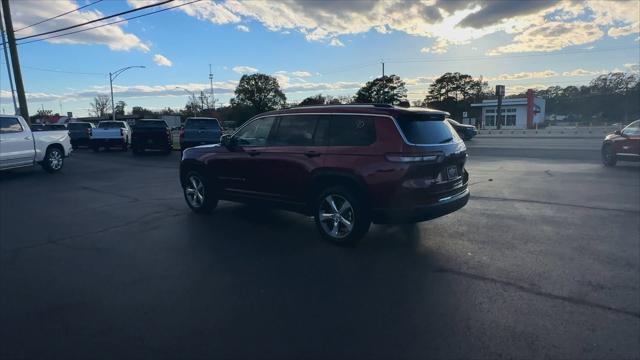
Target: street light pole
(113, 108)
(113, 76)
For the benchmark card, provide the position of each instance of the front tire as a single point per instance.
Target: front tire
(53, 160)
(609, 158)
(340, 216)
(199, 195)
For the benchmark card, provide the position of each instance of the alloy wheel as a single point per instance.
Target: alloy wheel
(194, 190)
(55, 159)
(336, 216)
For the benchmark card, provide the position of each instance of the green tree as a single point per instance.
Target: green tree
(385, 89)
(314, 100)
(454, 93)
(260, 91)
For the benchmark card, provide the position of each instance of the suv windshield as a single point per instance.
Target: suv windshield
(111, 125)
(426, 129)
(202, 124)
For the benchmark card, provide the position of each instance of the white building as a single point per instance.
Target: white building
(520, 113)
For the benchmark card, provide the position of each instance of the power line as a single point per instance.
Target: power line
(57, 16)
(96, 20)
(111, 23)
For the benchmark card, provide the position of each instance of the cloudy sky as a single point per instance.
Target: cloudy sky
(312, 46)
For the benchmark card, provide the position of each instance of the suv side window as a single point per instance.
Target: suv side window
(255, 133)
(10, 125)
(295, 130)
(351, 130)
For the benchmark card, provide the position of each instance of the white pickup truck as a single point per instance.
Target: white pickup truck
(110, 134)
(19, 147)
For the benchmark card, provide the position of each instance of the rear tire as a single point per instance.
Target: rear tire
(609, 158)
(341, 216)
(53, 160)
(198, 193)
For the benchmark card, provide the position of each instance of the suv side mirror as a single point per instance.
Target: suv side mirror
(618, 132)
(228, 141)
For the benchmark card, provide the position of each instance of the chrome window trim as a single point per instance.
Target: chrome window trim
(395, 122)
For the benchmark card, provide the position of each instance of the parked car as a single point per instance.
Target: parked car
(110, 134)
(80, 133)
(200, 131)
(151, 134)
(622, 145)
(346, 165)
(20, 147)
(466, 132)
(55, 127)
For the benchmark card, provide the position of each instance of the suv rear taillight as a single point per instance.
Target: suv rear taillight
(411, 158)
(89, 131)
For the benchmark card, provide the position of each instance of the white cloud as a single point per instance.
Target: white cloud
(336, 42)
(552, 36)
(616, 32)
(535, 25)
(26, 13)
(632, 67)
(298, 73)
(440, 47)
(244, 69)
(161, 60)
(583, 72)
(242, 28)
(523, 75)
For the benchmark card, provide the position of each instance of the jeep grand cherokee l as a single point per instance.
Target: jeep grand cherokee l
(346, 165)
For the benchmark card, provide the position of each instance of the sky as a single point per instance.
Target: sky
(311, 46)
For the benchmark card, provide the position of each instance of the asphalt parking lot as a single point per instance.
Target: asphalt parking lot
(104, 260)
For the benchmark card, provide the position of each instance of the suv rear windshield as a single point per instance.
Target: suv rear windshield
(202, 124)
(151, 124)
(111, 125)
(78, 126)
(426, 129)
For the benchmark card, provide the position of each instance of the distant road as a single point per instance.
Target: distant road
(543, 147)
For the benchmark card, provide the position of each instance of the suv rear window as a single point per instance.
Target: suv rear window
(78, 126)
(151, 124)
(351, 130)
(202, 124)
(426, 129)
(111, 125)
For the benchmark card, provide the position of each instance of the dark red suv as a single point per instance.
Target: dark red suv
(346, 165)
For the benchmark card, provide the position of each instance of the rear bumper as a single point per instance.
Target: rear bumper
(80, 141)
(155, 144)
(443, 207)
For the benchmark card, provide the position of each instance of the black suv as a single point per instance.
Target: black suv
(345, 165)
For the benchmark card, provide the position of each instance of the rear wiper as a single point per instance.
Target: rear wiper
(445, 141)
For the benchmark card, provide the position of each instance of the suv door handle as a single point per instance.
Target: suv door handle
(253, 152)
(311, 154)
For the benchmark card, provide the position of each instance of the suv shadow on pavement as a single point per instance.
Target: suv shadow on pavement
(303, 296)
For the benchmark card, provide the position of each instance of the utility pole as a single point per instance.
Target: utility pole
(382, 62)
(15, 61)
(213, 100)
(6, 60)
(500, 94)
